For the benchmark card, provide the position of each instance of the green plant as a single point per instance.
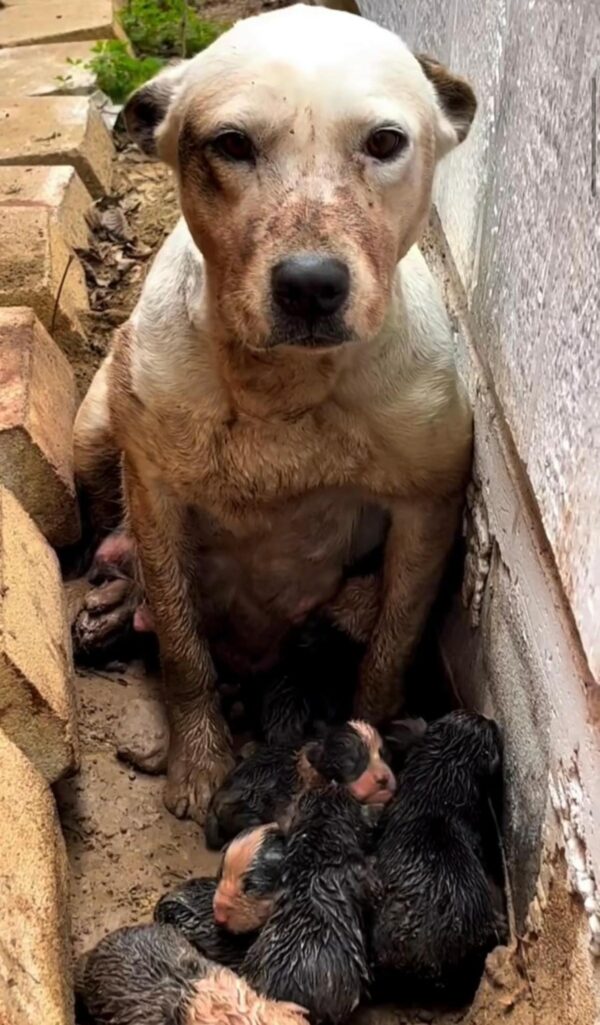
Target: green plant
(158, 29)
(168, 28)
(116, 71)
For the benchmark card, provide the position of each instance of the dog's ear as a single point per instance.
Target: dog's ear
(456, 100)
(146, 110)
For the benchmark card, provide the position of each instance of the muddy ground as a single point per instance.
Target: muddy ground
(125, 849)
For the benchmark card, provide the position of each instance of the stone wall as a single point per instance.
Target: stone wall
(515, 244)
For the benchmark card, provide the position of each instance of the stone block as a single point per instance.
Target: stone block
(37, 409)
(58, 130)
(45, 70)
(38, 269)
(35, 969)
(57, 189)
(23, 22)
(37, 708)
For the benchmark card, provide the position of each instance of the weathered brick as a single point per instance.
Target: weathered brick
(37, 409)
(37, 708)
(58, 130)
(23, 22)
(39, 269)
(45, 70)
(35, 969)
(58, 189)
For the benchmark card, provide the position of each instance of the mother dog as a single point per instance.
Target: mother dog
(284, 399)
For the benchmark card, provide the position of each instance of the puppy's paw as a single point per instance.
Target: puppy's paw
(193, 778)
(106, 618)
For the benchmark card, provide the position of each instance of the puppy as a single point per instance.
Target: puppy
(151, 975)
(261, 787)
(313, 949)
(221, 917)
(284, 400)
(435, 920)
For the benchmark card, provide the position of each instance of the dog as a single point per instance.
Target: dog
(436, 918)
(283, 400)
(313, 948)
(261, 788)
(151, 974)
(221, 917)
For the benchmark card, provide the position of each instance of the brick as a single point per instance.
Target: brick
(35, 969)
(38, 269)
(23, 22)
(58, 189)
(38, 70)
(37, 709)
(37, 409)
(58, 130)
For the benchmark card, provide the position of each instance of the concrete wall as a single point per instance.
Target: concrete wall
(516, 246)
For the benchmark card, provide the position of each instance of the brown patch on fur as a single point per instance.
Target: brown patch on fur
(456, 96)
(223, 998)
(239, 911)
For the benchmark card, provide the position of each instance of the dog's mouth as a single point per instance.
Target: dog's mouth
(319, 335)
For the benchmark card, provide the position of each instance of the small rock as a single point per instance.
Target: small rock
(142, 735)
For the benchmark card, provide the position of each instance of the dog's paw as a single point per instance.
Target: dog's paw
(192, 781)
(106, 618)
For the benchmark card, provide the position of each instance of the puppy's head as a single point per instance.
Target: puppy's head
(248, 879)
(305, 142)
(352, 755)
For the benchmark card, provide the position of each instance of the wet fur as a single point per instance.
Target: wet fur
(151, 975)
(313, 949)
(255, 472)
(436, 919)
(189, 908)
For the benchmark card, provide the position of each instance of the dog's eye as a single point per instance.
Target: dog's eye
(235, 146)
(386, 143)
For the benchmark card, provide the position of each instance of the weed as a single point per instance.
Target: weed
(158, 29)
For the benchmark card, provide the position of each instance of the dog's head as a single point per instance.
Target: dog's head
(305, 143)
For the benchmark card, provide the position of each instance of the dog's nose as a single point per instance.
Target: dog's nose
(310, 285)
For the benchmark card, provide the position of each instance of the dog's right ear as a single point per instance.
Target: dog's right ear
(146, 110)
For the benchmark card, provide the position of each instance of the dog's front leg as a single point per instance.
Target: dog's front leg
(199, 745)
(419, 540)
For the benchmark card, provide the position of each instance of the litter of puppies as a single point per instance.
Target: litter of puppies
(369, 885)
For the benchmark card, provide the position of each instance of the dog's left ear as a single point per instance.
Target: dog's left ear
(456, 100)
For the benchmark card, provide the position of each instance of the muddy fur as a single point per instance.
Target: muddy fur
(436, 920)
(151, 975)
(260, 459)
(312, 950)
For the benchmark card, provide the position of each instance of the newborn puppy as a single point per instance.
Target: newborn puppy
(399, 737)
(261, 787)
(151, 975)
(312, 950)
(435, 921)
(221, 917)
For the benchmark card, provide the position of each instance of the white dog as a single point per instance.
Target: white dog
(284, 400)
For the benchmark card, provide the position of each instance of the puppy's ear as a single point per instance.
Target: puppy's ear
(314, 754)
(146, 110)
(456, 100)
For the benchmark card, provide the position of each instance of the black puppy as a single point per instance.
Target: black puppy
(221, 917)
(435, 921)
(261, 787)
(312, 951)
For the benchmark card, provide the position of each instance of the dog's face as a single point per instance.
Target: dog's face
(305, 143)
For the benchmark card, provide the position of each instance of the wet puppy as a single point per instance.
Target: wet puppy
(151, 975)
(261, 787)
(221, 917)
(435, 921)
(313, 950)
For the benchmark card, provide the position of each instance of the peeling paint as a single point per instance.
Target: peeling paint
(568, 800)
(479, 552)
